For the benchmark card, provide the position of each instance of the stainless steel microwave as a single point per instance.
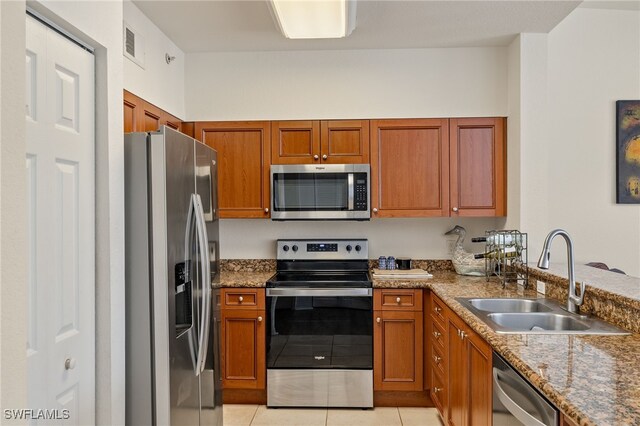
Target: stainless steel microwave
(314, 191)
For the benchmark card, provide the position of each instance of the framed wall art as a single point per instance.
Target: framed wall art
(628, 152)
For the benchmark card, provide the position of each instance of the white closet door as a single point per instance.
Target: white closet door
(61, 215)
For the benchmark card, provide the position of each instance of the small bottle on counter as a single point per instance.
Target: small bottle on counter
(507, 252)
(382, 262)
(391, 262)
(502, 239)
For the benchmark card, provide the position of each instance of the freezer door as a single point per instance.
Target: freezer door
(175, 326)
(210, 379)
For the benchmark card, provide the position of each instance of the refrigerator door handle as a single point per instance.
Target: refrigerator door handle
(188, 244)
(205, 276)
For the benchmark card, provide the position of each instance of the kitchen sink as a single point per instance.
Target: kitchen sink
(509, 305)
(547, 321)
(535, 316)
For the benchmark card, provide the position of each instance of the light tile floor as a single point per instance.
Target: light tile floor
(260, 415)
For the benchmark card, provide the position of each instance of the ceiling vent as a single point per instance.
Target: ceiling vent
(133, 45)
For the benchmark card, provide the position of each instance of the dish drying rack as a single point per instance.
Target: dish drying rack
(509, 268)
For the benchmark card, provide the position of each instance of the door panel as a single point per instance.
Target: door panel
(398, 362)
(244, 154)
(478, 166)
(457, 396)
(480, 373)
(409, 168)
(345, 141)
(295, 142)
(243, 343)
(61, 218)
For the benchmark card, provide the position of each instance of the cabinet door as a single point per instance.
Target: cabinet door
(479, 361)
(142, 116)
(457, 374)
(295, 142)
(344, 141)
(409, 168)
(397, 349)
(478, 165)
(244, 152)
(243, 349)
(132, 109)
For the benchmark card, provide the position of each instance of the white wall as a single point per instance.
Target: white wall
(160, 83)
(100, 24)
(418, 238)
(346, 84)
(534, 153)
(13, 225)
(594, 60)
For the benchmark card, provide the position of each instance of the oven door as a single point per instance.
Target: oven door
(333, 191)
(320, 328)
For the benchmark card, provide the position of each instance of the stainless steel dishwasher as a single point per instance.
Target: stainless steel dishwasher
(516, 402)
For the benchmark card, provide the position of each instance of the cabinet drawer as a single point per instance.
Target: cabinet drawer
(243, 298)
(397, 300)
(438, 392)
(437, 334)
(437, 359)
(438, 310)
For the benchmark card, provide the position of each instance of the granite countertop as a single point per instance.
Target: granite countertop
(243, 279)
(595, 380)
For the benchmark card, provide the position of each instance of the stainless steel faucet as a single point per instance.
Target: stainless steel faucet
(573, 301)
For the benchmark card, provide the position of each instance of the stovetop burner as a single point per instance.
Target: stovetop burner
(329, 263)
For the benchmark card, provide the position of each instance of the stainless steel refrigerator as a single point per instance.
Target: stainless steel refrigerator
(172, 324)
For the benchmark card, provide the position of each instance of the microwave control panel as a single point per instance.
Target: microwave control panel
(360, 192)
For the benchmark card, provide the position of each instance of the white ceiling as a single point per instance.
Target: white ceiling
(241, 25)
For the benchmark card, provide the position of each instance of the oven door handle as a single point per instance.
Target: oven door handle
(320, 292)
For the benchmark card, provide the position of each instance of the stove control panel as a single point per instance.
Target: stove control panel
(331, 249)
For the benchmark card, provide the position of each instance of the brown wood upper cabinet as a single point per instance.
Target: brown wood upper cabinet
(410, 168)
(142, 116)
(244, 154)
(438, 167)
(478, 165)
(311, 142)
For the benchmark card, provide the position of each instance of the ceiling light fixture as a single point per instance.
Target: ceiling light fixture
(314, 18)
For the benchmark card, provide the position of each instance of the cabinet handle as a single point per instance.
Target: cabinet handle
(436, 390)
(458, 330)
(436, 359)
(455, 209)
(324, 157)
(463, 335)
(375, 210)
(378, 320)
(436, 334)
(259, 319)
(266, 210)
(315, 157)
(240, 299)
(437, 309)
(398, 300)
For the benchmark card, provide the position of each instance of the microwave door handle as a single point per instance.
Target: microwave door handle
(517, 411)
(350, 191)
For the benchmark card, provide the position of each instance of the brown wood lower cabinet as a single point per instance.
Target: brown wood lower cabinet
(243, 343)
(461, 363)
(398, 340)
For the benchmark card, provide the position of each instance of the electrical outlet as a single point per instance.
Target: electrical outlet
(451, 245)
(541, 287)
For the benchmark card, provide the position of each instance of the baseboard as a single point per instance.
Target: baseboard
(402, 399)
(244, 396)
